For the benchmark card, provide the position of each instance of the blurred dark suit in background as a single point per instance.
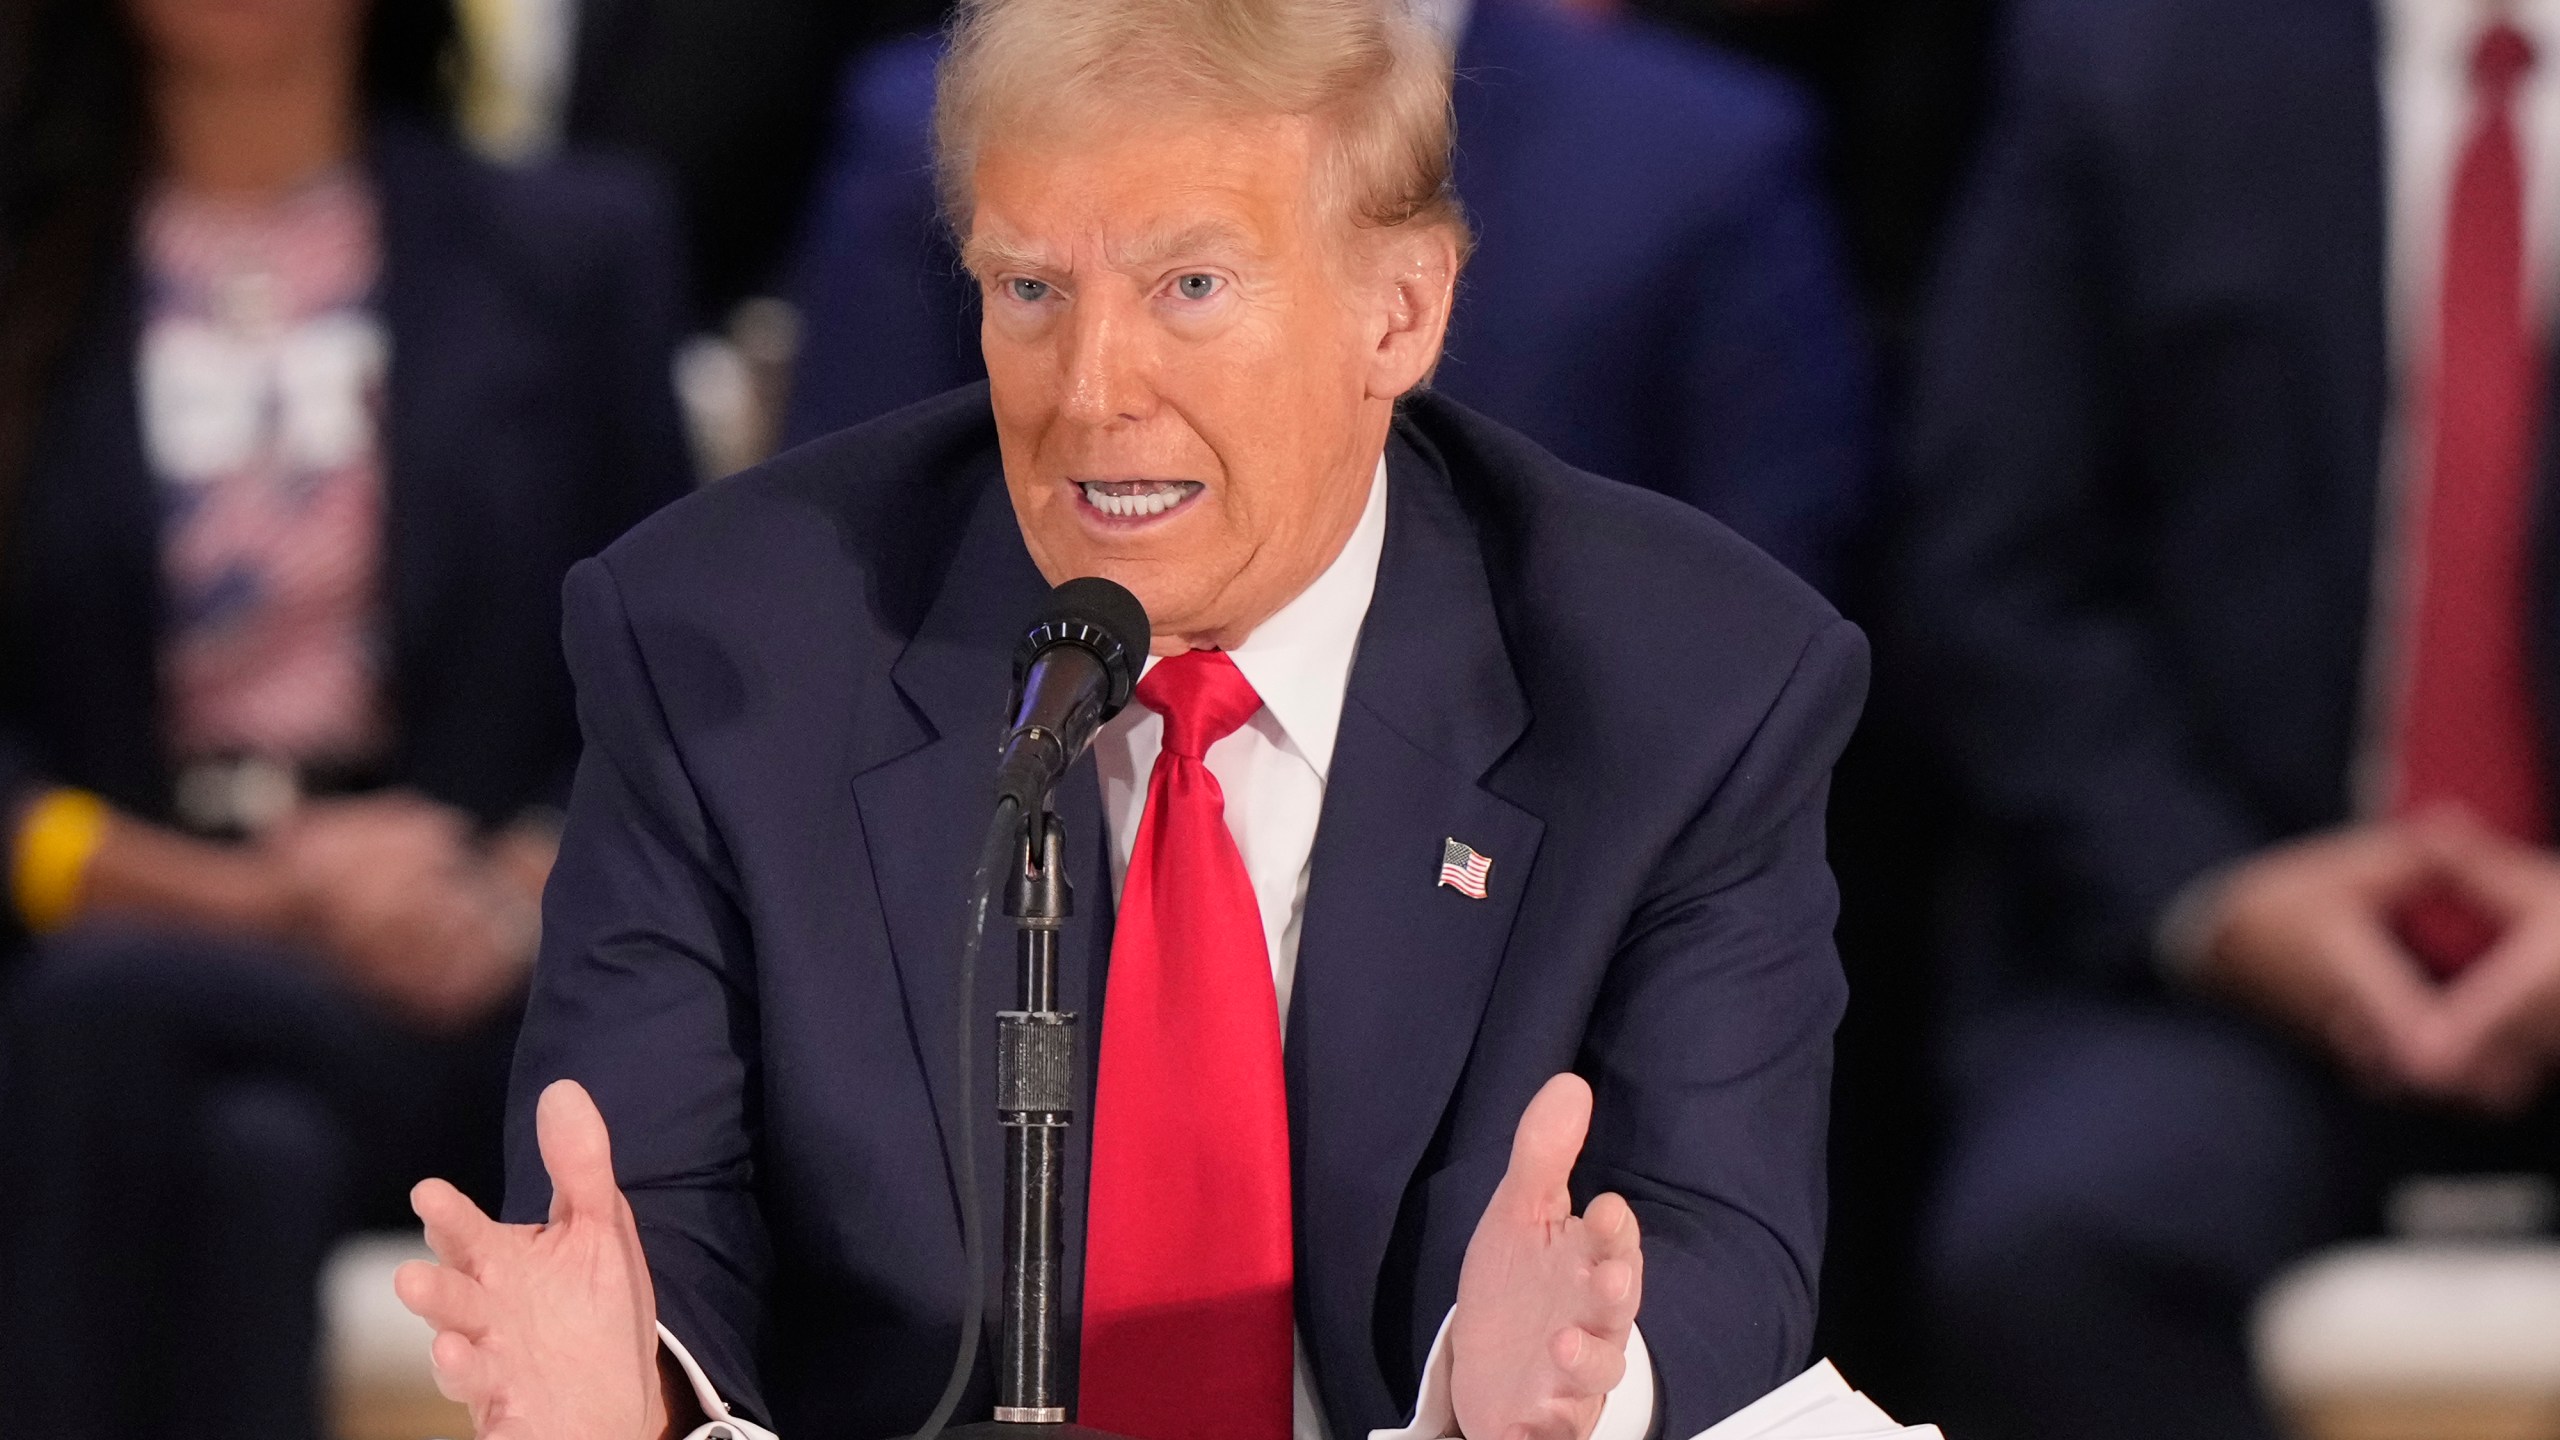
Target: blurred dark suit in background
(1901, 86)
(2148, 452)
(731, 98)
(1658, 295)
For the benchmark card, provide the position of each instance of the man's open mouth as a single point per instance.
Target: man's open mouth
(1136, 499)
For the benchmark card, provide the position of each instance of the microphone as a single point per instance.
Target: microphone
(1076, 667)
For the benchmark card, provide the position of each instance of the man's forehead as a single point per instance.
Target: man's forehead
(1138, 196)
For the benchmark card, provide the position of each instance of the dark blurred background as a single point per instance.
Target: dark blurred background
(2182, 457)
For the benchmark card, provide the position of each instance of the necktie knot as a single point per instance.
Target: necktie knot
(1203, 698)
(2502, 59)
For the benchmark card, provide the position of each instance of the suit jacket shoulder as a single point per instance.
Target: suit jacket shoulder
(1615, 598)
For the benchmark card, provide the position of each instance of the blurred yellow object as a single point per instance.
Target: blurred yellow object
(514, 72)
(56, 842)
(492, 110)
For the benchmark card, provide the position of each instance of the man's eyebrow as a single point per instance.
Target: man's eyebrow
(984, 255)
(1161, 246)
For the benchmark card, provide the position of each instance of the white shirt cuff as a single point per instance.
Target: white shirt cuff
(1626, 1415)
(722, 1425)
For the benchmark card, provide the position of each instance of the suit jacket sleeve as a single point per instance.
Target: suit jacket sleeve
(2023, 601)
(1770, 418)
(1710, 1057)
(645, 995)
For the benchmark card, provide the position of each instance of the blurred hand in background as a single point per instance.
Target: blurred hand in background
(2312, 934)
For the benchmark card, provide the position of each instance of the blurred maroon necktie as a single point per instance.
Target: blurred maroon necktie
(2466, 734)
(1188, 1255)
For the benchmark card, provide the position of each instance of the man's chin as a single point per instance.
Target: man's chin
(1179, 600)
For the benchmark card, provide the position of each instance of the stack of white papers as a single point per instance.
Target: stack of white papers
(1816, 1405)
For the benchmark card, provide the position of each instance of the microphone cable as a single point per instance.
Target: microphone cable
(1004, 833)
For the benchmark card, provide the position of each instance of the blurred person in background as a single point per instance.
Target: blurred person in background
(304, 414)
(1901, 82)
(1658, 294)
(2232, 460)
(730, 99)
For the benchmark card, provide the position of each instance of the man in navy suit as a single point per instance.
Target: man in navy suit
(2220, 574)
(1217, 245)
(1657, 293)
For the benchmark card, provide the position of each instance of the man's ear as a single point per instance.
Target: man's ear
(1416, 279)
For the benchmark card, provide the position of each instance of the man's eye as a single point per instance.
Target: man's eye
(1196, 287)
(1029, 292)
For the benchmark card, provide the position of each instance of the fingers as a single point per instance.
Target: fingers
(461, 1372)
(456, 1229)
(2498, 1014)
(577, 1152)
(2384, 1011)
(443, 1297)
(2377, 861)
(2511, 880)
(1588, 1364)
(1611, 1223)
(1615, 1286)
(1545, 1146)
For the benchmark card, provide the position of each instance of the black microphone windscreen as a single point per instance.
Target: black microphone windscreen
(1103, 617)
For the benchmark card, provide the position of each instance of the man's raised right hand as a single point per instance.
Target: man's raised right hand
(548, 1332)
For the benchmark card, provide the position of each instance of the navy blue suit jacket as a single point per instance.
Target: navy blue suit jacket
(530, 418)
(2147, 442)
(1658, 295)
(791, 687)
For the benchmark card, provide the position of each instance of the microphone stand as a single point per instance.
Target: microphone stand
(1035, 1103)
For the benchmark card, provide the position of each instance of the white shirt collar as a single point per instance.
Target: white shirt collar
(1299, 660)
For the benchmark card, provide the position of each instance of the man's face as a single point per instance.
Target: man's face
(1184, 367)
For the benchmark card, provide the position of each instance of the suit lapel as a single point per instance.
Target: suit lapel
(1394, 970)
(923, 800)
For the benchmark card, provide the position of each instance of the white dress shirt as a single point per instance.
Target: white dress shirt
(1272, 772)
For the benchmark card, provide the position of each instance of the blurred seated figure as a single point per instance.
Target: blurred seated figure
(303, 416)
(729, 98)
(2230, 455)
(1657, 293)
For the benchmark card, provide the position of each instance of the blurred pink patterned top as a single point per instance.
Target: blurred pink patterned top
(261, 380)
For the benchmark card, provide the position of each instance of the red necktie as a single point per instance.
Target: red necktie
(2467, 734)
(1188, 1261)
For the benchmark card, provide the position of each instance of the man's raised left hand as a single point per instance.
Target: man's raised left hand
(1546, 1300)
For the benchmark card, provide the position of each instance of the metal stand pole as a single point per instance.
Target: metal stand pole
(1035, 1099)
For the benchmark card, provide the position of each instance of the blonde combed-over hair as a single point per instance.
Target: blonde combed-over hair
(1373, 72)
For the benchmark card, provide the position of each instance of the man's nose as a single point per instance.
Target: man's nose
(1108, 365)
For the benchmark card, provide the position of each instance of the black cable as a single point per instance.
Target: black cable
(1004, 835)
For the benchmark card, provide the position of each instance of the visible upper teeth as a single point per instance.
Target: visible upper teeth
(1134, 503)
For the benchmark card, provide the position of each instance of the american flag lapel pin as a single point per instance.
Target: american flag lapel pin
(1463, 868)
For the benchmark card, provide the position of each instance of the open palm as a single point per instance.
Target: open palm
(548, 1332)
(1546, 1300)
